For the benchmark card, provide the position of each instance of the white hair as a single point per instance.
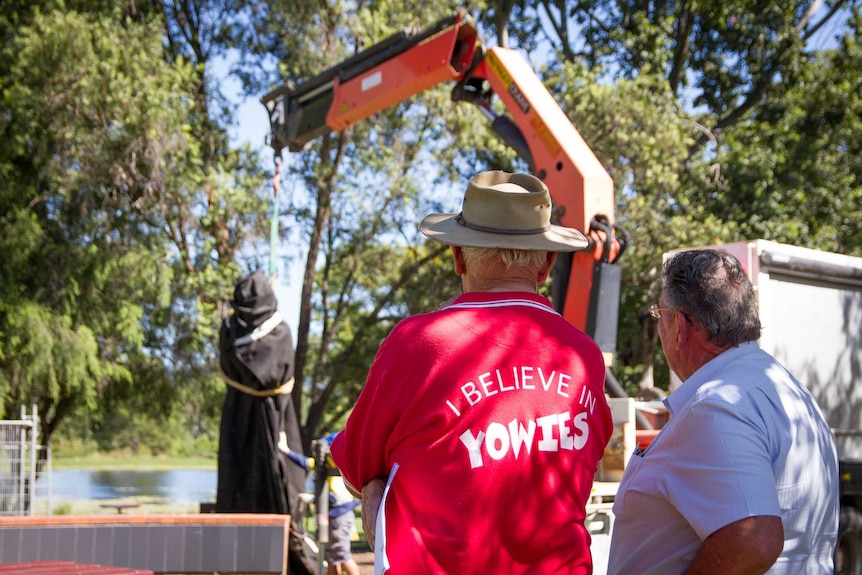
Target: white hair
(509, 256)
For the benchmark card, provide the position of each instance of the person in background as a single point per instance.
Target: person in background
(743, 479)
(486, 419)
(342, 522)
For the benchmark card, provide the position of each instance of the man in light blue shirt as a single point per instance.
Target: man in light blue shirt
(743, 479)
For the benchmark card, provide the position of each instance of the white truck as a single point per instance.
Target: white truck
(810, 305)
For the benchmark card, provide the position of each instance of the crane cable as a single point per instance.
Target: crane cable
(273, 224)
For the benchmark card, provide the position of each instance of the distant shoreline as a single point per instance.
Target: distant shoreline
(136, 462)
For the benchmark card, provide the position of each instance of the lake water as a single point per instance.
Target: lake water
(179, 485)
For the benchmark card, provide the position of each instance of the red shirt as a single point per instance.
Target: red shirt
(488, 418)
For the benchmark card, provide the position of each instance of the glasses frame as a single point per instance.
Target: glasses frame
(655, 310)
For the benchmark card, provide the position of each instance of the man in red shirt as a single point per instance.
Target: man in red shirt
(480, 427)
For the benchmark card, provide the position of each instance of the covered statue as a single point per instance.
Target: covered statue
(254, 475)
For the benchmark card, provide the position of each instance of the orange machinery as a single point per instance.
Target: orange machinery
(586, 285)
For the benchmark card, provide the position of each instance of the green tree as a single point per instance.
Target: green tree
(793, 170)
(127, 212)
(85, 141)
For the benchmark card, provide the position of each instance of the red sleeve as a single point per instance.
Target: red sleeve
(360, 451)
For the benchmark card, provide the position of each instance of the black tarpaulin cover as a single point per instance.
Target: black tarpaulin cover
(257, 352)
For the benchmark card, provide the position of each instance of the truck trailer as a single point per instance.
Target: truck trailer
(810, 305)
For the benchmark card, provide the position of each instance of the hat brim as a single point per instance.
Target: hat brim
(445, 229)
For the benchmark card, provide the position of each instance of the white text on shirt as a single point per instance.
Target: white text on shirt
(499, 439)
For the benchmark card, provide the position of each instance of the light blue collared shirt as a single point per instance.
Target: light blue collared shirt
(745, 438)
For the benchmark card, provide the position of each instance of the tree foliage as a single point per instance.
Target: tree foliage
(127, 213)
(83, 143)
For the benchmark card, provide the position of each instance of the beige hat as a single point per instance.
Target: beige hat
(503, 210)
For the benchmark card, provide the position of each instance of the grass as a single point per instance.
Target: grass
(147, 505)
(129, 461)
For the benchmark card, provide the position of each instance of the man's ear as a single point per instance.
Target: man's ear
(546, 268)
(684, 332)
(458, 257)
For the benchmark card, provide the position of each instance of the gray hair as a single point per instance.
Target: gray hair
(509, 256)
(711, 288)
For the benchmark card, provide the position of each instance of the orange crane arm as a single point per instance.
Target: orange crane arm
(377, 78)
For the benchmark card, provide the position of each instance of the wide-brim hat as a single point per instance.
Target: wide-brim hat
(503, 210)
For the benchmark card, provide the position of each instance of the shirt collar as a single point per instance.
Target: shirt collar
(513, 296)
(683, 394)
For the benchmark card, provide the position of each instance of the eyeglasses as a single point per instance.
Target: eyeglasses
(655, 311)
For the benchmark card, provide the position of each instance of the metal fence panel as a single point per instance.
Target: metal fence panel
(22, 461)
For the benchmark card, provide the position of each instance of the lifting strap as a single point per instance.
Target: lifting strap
(284, 389)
